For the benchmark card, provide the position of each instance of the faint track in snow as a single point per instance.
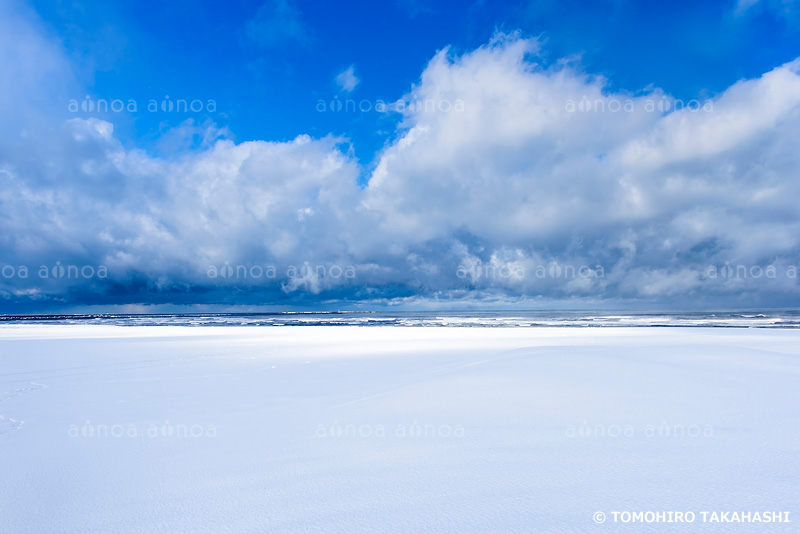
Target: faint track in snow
(7, 424)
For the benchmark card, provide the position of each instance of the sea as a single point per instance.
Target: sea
(465, 319)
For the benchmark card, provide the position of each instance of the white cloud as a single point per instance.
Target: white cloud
(347, 80)
(505, 173)
(521, 168)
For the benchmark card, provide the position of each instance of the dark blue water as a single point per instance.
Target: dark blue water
(766, 319)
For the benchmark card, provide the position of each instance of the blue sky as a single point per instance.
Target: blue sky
(267, 64)
(464, 205)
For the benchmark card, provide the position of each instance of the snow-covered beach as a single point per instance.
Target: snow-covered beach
(389, 429)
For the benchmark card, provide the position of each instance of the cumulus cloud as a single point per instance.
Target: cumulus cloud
(347, 80)
(508, 182)
(650, 192)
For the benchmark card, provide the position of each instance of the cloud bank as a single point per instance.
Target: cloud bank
(542, 187)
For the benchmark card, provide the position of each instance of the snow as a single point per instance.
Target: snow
(388, 429)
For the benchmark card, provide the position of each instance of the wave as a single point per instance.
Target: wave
(782, 319)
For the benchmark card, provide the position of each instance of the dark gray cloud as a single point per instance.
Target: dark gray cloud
(507, 183)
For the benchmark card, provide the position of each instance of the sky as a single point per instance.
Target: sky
(285, 154)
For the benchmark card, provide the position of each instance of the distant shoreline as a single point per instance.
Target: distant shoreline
(767, 319)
